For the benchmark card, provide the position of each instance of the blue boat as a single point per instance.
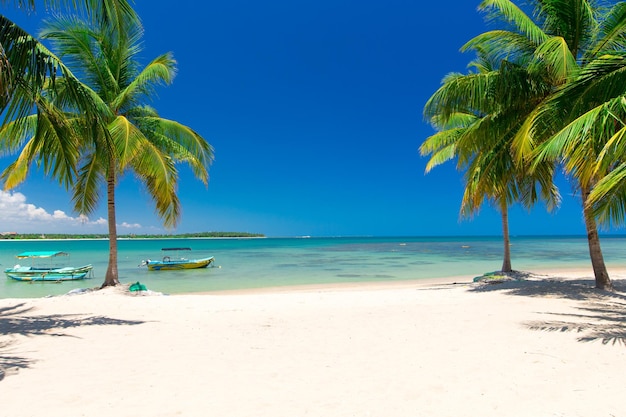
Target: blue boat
(41, 268)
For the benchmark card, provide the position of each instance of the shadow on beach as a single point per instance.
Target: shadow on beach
(602, 314)
(15, 321)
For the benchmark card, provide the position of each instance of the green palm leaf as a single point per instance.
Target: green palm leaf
(185, 144)
(127, 139)
(507, 10)
(501, 45)
(612, 32)
(160, 71)
(88, 184)
(608, 197)
(555, 54)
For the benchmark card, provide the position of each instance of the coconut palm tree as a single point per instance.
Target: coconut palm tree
(477, 116)
(446, 145)
(562, 39)
(577, 125)
(132, 137)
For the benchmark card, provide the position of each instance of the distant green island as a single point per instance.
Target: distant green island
(30, 236)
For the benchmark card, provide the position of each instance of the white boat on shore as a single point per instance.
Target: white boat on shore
(42, 268)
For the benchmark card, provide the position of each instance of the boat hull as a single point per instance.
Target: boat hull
(48, 274)
(179, 264)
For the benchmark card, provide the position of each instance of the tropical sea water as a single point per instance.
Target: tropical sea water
(271, 262)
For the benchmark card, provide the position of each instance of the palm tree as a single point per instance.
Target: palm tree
(563, 39)
(576, 125)
(477, 116)
(132, 137)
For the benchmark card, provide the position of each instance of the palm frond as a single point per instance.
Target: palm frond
(80, 48)
(579, 145)
(29, 65)
(501, 45)
(467, 94)
(110, 12)
(612, 33)
(600, 81)
(127, 139)
(183, 144)
(158, 172)
(33, 65)
(575, 21)
(506, 10)
(15, 173)
(608, 197)
(14, 135)
(160, 71)
(458, 119)
(47, 138)
(57, 144)
(441, 146)
(560, 62)
(88, 185)
(52, 144)
(188, 140)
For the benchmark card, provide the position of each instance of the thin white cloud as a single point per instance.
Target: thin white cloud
(16, 215)
(129, 225)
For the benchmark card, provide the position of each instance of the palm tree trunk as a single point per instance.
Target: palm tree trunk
(112, 277)
(595, 252)
(504, 212)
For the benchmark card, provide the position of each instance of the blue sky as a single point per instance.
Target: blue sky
(314, 109)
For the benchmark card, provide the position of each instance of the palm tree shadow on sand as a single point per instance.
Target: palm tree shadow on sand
(602, 314)
(14, 321)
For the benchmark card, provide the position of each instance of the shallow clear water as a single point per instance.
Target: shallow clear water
(258, 263)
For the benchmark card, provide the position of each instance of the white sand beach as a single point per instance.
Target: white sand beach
(548, 346)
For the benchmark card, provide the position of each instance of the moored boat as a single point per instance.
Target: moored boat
(172, 261)
(42, 268)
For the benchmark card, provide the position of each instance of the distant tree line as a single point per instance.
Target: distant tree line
(21, 236)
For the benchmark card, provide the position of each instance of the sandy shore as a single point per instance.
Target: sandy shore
(543, 347)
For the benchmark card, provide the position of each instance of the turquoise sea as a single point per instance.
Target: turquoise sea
(270, 262)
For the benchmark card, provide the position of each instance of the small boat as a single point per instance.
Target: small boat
(172, 261)
(37, 271)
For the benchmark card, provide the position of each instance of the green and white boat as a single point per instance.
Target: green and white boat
(176, 262)
(42, 268)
